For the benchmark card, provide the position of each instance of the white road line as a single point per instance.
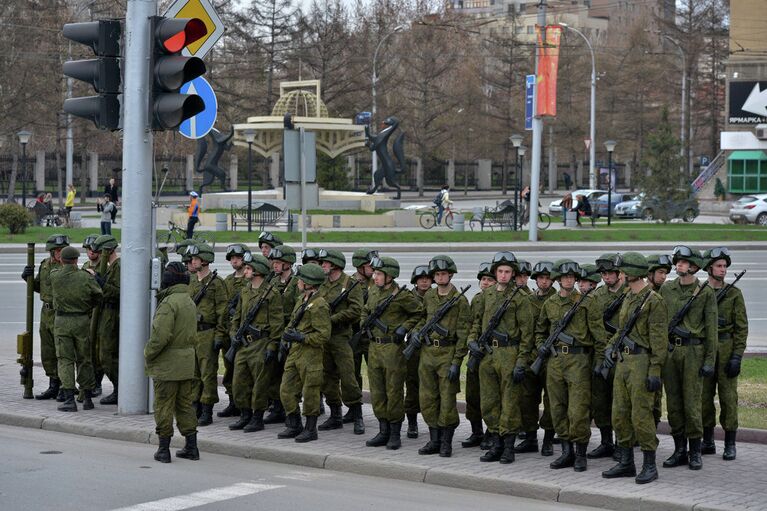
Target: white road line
(202, 498)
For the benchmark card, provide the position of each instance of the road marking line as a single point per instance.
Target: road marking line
(202, 498)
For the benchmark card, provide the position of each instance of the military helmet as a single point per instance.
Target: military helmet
(309, 254)
(268, 238)
(174, 273)
(657, 261)
(485, 270)
(524, 267)
(590, 272)
(387, 265)
(503, 258)
(88, 241)
(104, 242)
(284, 253)
(606, 262)
(180, 247)
(363, 256)
(201, 250)
(419, 271)
(633, 264)
(56, 241)
(69, 254)
(257, 262)
(442, 263)
(564, 267)
(311, 274)
(714, 254)
(334, 257)
(542, 268)
(685, 253)
(236, 249)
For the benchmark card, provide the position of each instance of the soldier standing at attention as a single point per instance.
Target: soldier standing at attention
(534, 385)
(522, 276)
(75, 293)
(637, 372)
(93, 256)
(304, 339)
(170, 362)
(267, 241)
(212, 325)
(421, 281)
(256, 360)
(568, 375)
(659, 267)
(733, 332)
(589, 278)
(338, 360)
(693, 358)
(92, 264)
(387, 367)
(42, 285)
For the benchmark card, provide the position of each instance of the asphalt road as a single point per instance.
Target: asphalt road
(45, 470)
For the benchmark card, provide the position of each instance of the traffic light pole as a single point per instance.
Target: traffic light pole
(137, 206)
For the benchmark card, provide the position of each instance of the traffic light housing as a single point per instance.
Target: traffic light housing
(170, 70)
(103, 72)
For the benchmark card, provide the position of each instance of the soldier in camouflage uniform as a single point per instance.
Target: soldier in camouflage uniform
(502, 370)
(637, 372)
(256, 360)
(387, 367)
(75, 293)
(93, 256)
(659, 266)
(170, 362)
(589, 278)
(733, 332)
(212, 326)
(338, 360)
(534, 385)
(267, 241)
(421, 281)
(92, 264)
(693, 358)
(522, 276)
(568, 375)
(304, 338)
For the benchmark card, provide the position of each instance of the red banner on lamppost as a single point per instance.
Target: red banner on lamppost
(548, 61)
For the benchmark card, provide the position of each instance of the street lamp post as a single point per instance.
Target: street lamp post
(398, 28)
(683, 136)
(250, 136)
(522, 150)
(610, 146)
(24, 136)
(516, 141)
(593, 111)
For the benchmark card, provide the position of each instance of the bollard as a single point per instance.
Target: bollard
(459, 222)
(571, 218)
(75, 219)
(221, 221)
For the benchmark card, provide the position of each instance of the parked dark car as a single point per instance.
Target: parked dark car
(686, 209)
(599, 204)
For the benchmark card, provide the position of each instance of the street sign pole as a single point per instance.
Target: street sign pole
(535, 164)
(302, 156)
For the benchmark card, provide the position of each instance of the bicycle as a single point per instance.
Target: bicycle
(544, 219)
(428, 219)
(177, 234)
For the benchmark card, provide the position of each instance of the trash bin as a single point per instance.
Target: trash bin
(75, 219)
(220, 221)
(571, 218)
(459, 222)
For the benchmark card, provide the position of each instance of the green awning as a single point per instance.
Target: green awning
(748, 155)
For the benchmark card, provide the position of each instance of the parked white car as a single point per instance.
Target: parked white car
(751, 209)
(555, 208)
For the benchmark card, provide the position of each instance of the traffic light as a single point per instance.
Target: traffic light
(103, 72)
(170, 70)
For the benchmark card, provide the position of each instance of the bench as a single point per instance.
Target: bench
(262, 214)
(502, 217)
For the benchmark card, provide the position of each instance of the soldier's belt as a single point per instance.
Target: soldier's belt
(255, 334)
(201, 327)
(62, 313)
(111, 305)
(725, 336)
(504, 343)
(573, 350)
(47, 305)
(386, 339)
(677, 340)
(638, 350)
(443, 343)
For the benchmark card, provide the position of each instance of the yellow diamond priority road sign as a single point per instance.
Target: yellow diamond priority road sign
(203, 10)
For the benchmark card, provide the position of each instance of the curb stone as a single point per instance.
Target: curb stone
(22, 421)
(109, 433)
(517, 488)
(603, 499)
(386, 469)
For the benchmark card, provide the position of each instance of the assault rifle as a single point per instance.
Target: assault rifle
(674, 330)
(723, 292)
(432, 325)
(490, 331)
(558, 335)
(247, 328)
(204, 289)
(285, 346)
(343, 296)
(623, 341)
(373, 319)
(610, 312)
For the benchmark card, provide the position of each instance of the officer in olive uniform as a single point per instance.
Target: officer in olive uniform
(42, 285)
(694, 345)
(75, 293)
(442, 354)
(170, 362)
(387, 367)
(589, 278)
(733, 332)
(637, 371)
(568, 375)
(304, 339)
(255, 362)
(338, 359)
(422, 282)
(534, 385)
(212, 323)
(267, 241)
(502, 370)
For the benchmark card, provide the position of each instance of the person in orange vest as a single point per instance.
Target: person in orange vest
(194, 212)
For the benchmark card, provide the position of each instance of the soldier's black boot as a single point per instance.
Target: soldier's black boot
(529, 444)
(729, 445)
(434, 443)
(475, 438)
(446, 445)
(335, 421)
(359, 422)
(111, 399)
(486, 441)
(206, 417)
(69, 404)
(310, 430)
(61, 397)
(606, 447)
(230, 410)
(348, 417)
(508, 449)
(679, 457)
(163, 451)
(649, 471)
(708, 447)
(381, 437)
(412, 425)
(190, 451)
(293, 426)
(97, 388)
(495, 450)
(87, 401)
(580, 463)
(625, 466)
(52, 391)
(256, 422)
(547, 448)
(277, 414)
(566, 459)
(395, 442)
(696, 462)
(245, 415)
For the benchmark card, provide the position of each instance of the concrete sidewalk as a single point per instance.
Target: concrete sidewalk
(740, 484)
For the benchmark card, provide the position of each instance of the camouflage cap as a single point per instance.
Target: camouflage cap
(56, 241)
(104, 242)
(70, 254)
(311, 274)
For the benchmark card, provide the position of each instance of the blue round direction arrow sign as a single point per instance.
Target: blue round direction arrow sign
(199, 125)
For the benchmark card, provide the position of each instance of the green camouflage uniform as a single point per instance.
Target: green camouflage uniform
(75, 292)
(108, 329)
(47, 343)
(234, 286)
(170, 361)
(363, 346)
(303, 367)
(601, 389)
(289, 292)
(473, 402)
(98, 368)
(412, 396)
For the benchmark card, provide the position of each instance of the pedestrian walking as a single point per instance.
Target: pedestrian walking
(193, 212)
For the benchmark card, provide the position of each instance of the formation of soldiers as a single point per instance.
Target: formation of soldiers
(588, 352)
